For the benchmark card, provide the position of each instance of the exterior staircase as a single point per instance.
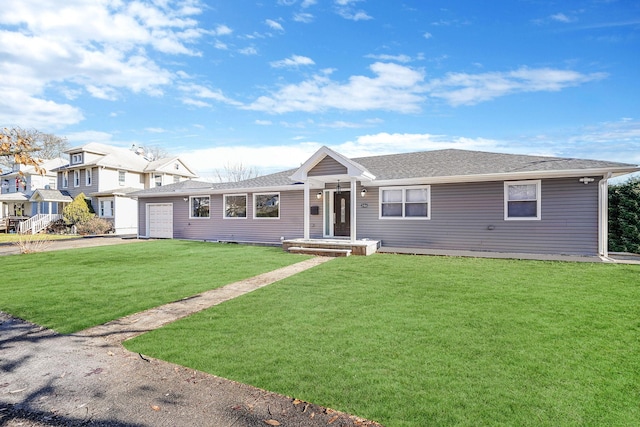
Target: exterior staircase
(37, 223)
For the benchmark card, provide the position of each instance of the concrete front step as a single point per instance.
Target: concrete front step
(339, 247)
(320, 251)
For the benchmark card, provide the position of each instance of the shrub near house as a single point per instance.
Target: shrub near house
(79, 213)
(624, 217)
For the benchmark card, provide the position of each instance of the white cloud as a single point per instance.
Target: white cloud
(78, 138)
(303, 17)
(469, 89)
(274, 25)
(155, 130)
(293, 61)
(98, 47)
(427, 35)
(560, 17)
(267, 159)
(394, 88)
(195, 94)
(389, 143)
(385, 57)
(222, 30)
(196, 103)
(346, 9)
(248, 51)
(263, 122)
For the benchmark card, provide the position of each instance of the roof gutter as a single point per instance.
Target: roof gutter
(612, 172)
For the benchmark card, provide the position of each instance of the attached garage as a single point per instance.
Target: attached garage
(160, 220)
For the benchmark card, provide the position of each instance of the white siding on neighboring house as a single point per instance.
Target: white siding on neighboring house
(125, 215)
(108, 180)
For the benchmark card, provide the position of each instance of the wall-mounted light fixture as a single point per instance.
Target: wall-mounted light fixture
(338, 189)
(186, 199)
(319, 195)
(586, 180)
(363, 192)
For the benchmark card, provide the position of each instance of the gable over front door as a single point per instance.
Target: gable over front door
(342, 213)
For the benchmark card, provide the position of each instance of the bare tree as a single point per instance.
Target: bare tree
(155, 152)
(236, 172)
(18, 146)
(25, 146)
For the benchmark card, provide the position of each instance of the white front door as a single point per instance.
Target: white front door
(160, 220)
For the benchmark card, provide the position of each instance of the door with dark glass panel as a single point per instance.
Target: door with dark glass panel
(342, 213)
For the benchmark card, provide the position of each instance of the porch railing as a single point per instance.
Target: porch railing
(37, 223)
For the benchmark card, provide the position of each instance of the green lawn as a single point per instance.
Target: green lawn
(419, 341)
(75, 289)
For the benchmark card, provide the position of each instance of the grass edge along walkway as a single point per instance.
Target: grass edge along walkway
(128, 327)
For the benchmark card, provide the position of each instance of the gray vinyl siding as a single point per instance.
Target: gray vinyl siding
(328, 166)
(263, 230)
(471, 217)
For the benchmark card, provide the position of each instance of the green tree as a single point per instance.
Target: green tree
(79, 211)
(624, 216)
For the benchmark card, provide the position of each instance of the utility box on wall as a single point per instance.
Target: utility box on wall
(314, 210)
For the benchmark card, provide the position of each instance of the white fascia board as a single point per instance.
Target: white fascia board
(354, 170)
(507, 176)
(208, 191)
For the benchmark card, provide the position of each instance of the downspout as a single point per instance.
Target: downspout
(603, 218)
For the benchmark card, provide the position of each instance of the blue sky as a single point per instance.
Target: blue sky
(266, 83)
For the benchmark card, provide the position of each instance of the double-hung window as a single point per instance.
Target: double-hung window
(266, 205)
(235, 206)
(121, 177)
(106, 208)
(405, 202)
(65, 179)
(522, 200)
(88, 172)
(199, 206)
(76, 178)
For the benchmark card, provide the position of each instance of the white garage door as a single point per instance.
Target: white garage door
(160, 220)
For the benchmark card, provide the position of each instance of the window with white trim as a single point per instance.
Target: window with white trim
(106, 208)
(157, 178)
(76, 159)
(405, 202)
(76, 178)
(65, 179)
(176, 179)
(88, 172)
(121, 177)
(522, 200)
(266, 205)
(235, 206)
(199, 207)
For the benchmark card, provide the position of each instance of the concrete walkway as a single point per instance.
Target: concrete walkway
(131, 326)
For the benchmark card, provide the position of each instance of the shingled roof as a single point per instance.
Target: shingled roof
(451, 162)
(440, 165)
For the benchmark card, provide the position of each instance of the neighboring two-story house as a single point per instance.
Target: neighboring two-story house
(24, 192)
(107, 175)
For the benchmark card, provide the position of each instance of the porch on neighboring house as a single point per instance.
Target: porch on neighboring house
(49, 205)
